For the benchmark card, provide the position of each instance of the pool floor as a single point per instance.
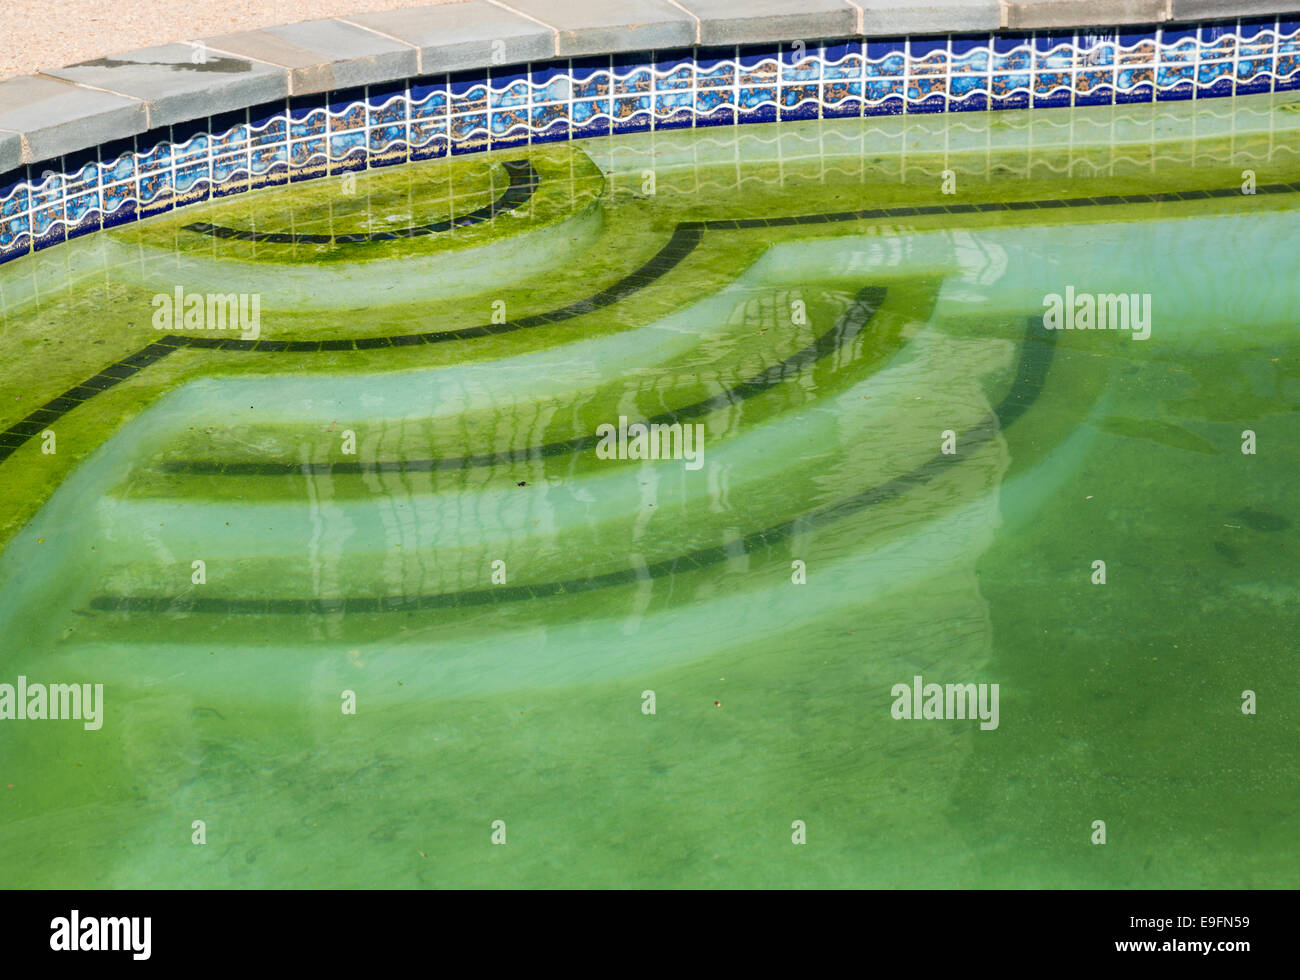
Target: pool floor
(375, 604)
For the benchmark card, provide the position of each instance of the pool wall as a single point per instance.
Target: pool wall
(117, 140)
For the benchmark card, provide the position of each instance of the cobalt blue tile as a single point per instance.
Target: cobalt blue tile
(793, 95)
(1218, 89)
(762, 113)
(893, 66)
(1180, 92)
(709, 101)
(48, 227)
(1009, 41)
(470, 126)
(884, 47)
(263, 113)
(960, 86)
(925, 87)
(118, 209)
(13, 192)
(754, 55)
(153, 149)
(1287, 26)
(592, 77)
(633, 122)
(468, 92)
(1255, 85)
(1101, 94)
(1250, 27)
(515, 137)
(976, 60)
(307, 113)
(975, 102)
(836, 51)
(541, 116)
(1218, 39)
(428, 96)
(1139, 93)
(348, 152)
(1132, 37)
(1016, 59)
(341, 100)
(189, 177)
(684, 119)
(229, 130)
(117, 160)
(674, 69)
(1054, 100)
(966, 43)
(1015, 100)
(382, 92)
(752, 97)
(554, 133)
(1173, 33)
(933, 103)
(892, 106)
(586, 111)
(806, 110)
(428, 140)
(712, 57)
(850, 108)
(229, 167)
(719, 75)
(725, 116)
(509, 88)
(83, 214)
(1049, 40)
(635, 65)
(81, 170)
(503, 121)
(597, 125)
(1288, 84)
(875, 89)
(15, 238)
(390, 113)
(834, 93)
(191, 135)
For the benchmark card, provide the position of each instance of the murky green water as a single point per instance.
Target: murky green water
(499, 599)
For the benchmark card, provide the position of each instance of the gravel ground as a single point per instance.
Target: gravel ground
(62, 32)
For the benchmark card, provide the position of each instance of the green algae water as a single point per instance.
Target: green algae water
(376, 600)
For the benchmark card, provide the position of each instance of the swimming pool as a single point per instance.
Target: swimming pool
(357, 530)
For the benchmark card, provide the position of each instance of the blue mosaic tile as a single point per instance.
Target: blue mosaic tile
(305, 137)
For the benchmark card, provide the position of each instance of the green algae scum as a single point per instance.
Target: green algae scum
(602, 514)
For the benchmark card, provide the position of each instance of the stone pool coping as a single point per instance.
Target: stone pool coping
(67, 110)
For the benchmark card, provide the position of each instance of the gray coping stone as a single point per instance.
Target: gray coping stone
(53, 118)
(174, 88)
(1082, 13)
(456, 36)
(1212, 9)
(765, 21)
(882, 18)
(11, 151)
(324, 54)
(598, 26)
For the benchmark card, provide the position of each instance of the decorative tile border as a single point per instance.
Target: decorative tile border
(312, 136)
